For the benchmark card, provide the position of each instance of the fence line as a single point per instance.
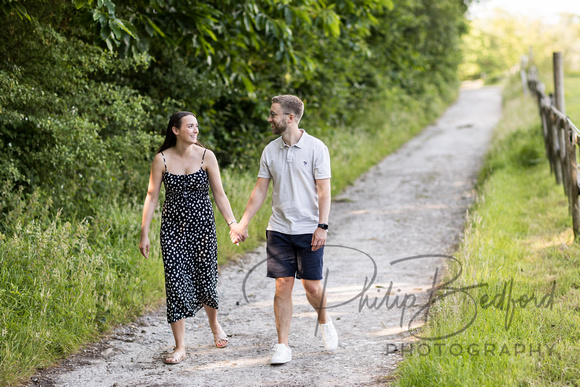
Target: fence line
(560, 139)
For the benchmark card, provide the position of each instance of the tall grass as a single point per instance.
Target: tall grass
(518, 237)
(64, 283)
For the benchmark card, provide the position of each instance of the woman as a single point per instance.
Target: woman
(188, 236)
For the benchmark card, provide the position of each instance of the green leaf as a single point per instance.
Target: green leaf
(120, 23)
(250, 88)
(115, 28)
(109, 44)
(155, 27)
(80, 3)
(21, 10)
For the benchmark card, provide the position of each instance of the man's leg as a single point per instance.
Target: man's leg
(283, 307)
(282, 267)
(316, 298)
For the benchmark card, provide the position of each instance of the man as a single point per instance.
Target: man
(299, 167)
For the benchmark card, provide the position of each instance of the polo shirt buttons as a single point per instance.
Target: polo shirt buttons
(289, 154)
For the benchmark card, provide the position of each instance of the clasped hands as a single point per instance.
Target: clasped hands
(238, 233)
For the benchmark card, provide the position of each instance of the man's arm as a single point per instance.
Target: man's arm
(319, 236)
(254, 203)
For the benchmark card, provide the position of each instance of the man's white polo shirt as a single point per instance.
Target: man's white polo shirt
(293, 170)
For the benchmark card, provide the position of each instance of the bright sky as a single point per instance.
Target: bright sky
(533, 8)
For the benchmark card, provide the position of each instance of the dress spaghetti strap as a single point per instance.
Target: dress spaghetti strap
(162, 155)
(202, 158)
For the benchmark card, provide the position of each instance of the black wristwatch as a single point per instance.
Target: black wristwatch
(323, 226)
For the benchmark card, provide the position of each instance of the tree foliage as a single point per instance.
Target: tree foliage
(86, 86)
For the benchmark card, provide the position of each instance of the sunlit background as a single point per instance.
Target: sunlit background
(550, 10)
(502, 33)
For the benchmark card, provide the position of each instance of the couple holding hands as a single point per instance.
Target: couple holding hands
(298, 166)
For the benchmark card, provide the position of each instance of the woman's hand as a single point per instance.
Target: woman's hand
(144, 246)
(237, 234)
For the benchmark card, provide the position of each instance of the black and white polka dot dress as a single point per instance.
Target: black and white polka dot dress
(188, 244)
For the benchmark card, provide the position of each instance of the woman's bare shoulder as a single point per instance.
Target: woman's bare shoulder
(208, 152)
(209, 156)
(168, 151)
(159, 160)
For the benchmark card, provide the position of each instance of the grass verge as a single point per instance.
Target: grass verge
(518, 248)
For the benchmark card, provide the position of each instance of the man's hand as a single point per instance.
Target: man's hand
(238, 233)
(318, 238)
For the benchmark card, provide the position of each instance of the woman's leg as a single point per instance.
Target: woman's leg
(178, 329)
(219, 336)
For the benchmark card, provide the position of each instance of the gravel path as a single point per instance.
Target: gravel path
(412, 203)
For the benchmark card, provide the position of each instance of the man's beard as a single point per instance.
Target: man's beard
(279, 128)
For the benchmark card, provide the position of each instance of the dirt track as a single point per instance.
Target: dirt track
(412, 203)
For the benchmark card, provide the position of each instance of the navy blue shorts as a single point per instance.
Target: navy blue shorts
(292, 256)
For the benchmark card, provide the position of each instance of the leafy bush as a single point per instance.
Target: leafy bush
(86, 88)
(73, 138)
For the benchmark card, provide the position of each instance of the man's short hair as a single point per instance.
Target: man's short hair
(290, 104)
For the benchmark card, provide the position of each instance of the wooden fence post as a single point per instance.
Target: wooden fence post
(563, 145)
(558, 102)
(559, 83)
(545, 135)
(572, 143)
(554, 145)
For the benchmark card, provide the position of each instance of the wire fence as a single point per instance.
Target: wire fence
(560, 137)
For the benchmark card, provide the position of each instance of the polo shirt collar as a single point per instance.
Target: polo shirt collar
(300, 142)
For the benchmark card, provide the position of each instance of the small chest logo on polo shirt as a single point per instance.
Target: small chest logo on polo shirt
(305, 162)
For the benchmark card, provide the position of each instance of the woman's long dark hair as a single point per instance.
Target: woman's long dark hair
(170, 139)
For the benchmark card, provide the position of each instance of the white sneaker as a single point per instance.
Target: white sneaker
(329, 336)
(282, 354)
